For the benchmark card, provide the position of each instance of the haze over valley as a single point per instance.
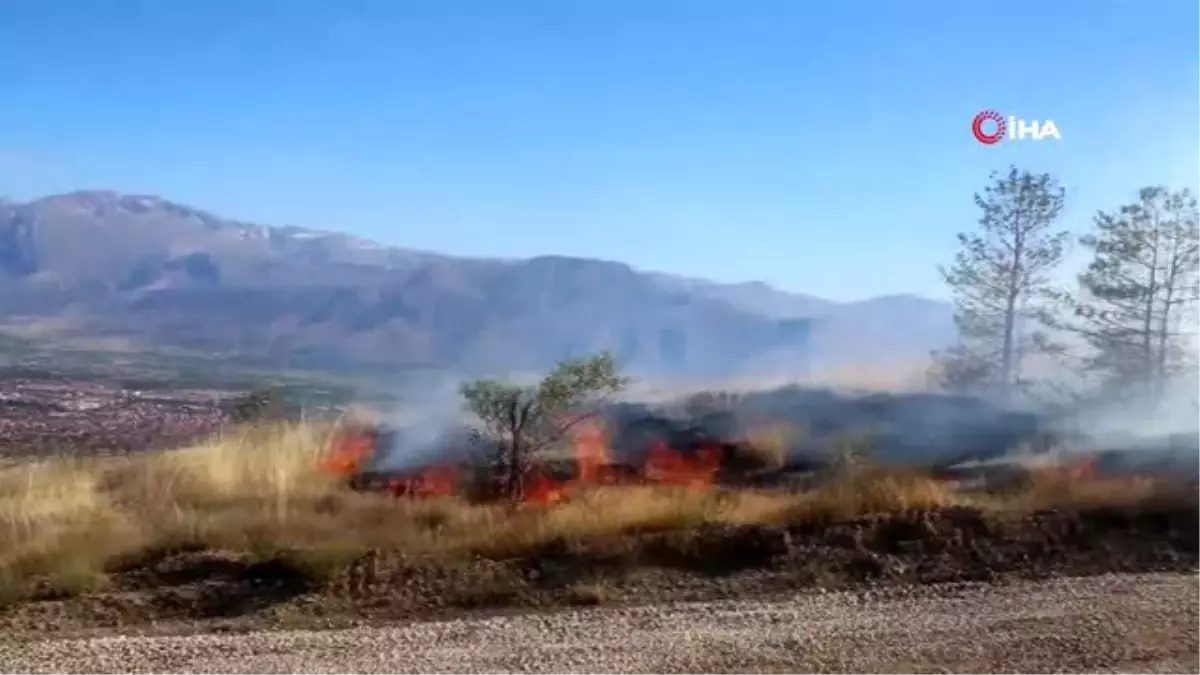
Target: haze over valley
(108, 271)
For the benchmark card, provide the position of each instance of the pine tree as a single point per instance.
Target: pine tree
(1139, 292)
(1001, 284)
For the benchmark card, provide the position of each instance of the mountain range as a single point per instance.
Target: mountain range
(151, 274)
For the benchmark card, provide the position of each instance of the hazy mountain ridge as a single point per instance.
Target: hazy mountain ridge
(167, 274)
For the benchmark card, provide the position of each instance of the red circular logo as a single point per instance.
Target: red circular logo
(983, 136)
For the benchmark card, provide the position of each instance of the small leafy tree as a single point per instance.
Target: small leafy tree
(524, 420)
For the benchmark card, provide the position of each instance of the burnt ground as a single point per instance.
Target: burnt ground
(207, 590)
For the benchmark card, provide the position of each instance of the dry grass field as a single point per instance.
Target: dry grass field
(258, 492)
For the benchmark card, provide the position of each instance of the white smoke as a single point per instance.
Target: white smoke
(429, 418)
(1178, 412)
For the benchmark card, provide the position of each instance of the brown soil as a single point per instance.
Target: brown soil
(710, 562)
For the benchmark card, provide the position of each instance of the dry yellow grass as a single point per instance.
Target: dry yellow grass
(860, 492)
(55, 520)
(1051, 490)
(260, 491)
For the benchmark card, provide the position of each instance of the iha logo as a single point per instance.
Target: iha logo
(990, 127)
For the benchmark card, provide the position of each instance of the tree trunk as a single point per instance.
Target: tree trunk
(1160, 360)
(1148, 367)
(1164, 322)
(515, 486)
(1006, 358)
(1010, 322)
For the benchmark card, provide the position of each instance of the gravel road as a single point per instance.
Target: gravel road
(1133, 623)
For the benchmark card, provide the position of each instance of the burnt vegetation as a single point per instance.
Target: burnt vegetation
(713, 496)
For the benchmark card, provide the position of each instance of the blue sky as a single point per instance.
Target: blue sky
(821, 147)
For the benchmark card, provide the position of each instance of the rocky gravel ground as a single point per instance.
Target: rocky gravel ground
(1112, 623)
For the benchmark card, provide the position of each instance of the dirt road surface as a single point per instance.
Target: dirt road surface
(1131, 623)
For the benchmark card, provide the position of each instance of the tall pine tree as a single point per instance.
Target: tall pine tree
(1138, 294)
(1000, 280)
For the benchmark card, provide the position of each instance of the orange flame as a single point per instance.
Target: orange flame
(670, 467)
(594, 466)
(591, 453)
(1083, 469)
(439, 481)
(349, 454)
(540, 489)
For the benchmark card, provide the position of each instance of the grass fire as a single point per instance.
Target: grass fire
(591, 465)
(555, 479)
